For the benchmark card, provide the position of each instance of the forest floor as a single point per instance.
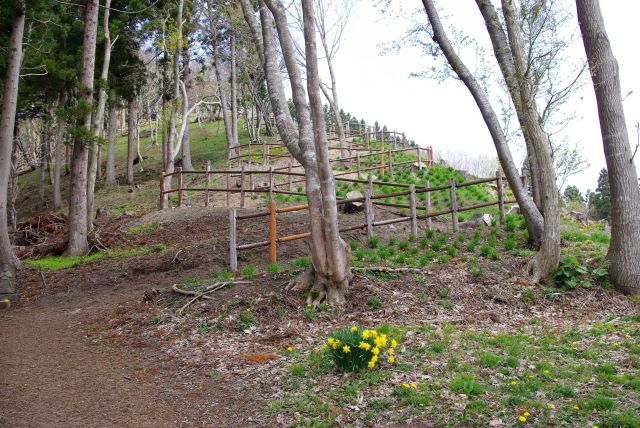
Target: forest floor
(102, 343)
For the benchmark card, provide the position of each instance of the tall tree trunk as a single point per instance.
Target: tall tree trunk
(44, 143)
(111, 141)
(546, 260)
(333, 272)
(330, 255)
(77, 226)
(624, 249)
(59, 141)
(131, 144)
(234, 94)
(224, 107)
(98, 117)
(8, 260)
(533, 217)
(186, 141)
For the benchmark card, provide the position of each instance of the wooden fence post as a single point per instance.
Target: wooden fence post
(179, 170)
(419, 153)
(207, 185)
(251, 186)
(412, 204)
(500, 196)
(368, 213)
(370, 185)
(271, 184)
(272, 231)
(233, 241)
(382, 159)
(264, 153)
(390, 161)
(242, 185)
(358, 163)
(290, 178)
(227, 176)
(161, 204)
(368, 137)
(427, 203)
(454, 205)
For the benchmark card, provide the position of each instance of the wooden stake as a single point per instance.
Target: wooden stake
(179, 170)
(161, 201)
(454, 205)
(358, 163)
(390, 162)
(264, 153)
(207, 185)
(412, 204)
(272, 232)
(271, 184)
(427, 202)
(500, 196)
(370, 185)
(419, 157)
(233, 241)
(368, 213)
(382, 159)
(242, 185)
(290, 177)
(227, 175)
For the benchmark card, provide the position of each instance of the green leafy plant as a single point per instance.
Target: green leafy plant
(569, 273)
(374, 302)
(373, 242)
(248, 271)
(245, 320)
(355, 349)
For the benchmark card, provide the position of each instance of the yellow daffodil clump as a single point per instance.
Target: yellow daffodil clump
(353, 349)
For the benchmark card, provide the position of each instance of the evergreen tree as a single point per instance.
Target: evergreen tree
(600, 200)
(572, 194)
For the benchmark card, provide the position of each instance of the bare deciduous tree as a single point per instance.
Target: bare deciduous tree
(624, 249)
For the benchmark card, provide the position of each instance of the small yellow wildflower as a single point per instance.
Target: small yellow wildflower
(527, 414)
(381, 341)
(406, 385)
(547, 372)
(616, 344)
(5, 301)
(335, 345)
(372, 364)
(574, 343)
(346, 349)
(316, 348)
(513, 382)
(522, 419)
(414, 386)
(375, 351)
(324, 348)
(374, 359)
(576, 408)
(390, 351)
(364, 345)
(366, 334)
(309, 305)
(595, 426)
(574, 348)
(248, 309)
(354, 329)
(551, 405)
(531, 376)
(391, 359)
(374, 333)
(290, 348)
(330, 340)
(394, 343)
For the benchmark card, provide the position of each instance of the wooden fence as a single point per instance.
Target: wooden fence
(369, 200)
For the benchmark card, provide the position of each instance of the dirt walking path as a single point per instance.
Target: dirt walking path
(54, 375)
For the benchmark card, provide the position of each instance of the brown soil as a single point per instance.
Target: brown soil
(101, 344)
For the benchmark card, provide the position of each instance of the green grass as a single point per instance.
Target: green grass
(56, 262)
(143, 228)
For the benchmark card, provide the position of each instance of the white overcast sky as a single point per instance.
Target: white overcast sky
(378, 87)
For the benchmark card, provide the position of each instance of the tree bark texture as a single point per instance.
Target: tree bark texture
(77, 225)
(624, 249)
(8, 260)
(57, 162)
(112, 134)
(131, 136)
(187, 165)
(98, 117)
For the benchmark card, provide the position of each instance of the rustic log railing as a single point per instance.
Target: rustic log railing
(369, 201)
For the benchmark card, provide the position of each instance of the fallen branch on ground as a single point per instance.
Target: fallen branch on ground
(210, 289)
(386, 269)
